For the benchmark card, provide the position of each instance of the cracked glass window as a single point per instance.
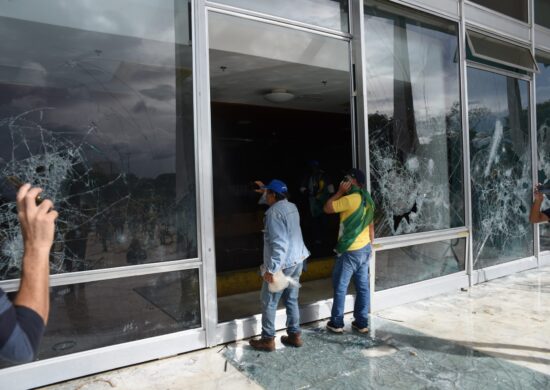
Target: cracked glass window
(414, 121)
(500, 155)
(96, 108)
(543, 138)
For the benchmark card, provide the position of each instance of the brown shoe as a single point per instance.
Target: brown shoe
(263, 344)
(293, 340)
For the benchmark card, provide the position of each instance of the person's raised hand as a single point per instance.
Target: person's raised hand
(260, 188)
(344, 187)
(37, 221)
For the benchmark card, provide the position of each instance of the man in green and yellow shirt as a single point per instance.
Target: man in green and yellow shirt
(353, 250)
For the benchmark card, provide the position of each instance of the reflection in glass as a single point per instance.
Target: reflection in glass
(331, 14)
(542, 13)
(486, 49)
(543, 138)
(411, 264)
(97, 314)
(414, 121)
(517, 9)
(500, 167)
(97, 109)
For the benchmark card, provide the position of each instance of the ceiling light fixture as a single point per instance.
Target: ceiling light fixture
(279, 95)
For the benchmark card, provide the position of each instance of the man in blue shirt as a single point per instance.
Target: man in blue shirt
(284, 249)
(22, 323)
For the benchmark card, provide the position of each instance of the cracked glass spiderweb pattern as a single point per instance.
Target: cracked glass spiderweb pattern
(103, 122)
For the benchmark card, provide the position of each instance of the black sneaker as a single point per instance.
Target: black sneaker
(334, 329)
(358, 329)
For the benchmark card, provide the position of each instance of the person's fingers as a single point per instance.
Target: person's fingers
(52, 215)
(21, 194)
(45, 206)
(30, 197)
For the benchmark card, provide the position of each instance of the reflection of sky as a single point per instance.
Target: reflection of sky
(432, 71)
(489, 90)
(324, 13)
(122, 86)
(134, 18)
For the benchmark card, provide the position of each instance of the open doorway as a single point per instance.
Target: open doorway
(280, 108)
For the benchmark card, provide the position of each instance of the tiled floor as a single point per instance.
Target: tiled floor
(497, 335)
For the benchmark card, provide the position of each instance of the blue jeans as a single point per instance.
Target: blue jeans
(356, 264)
(290, 299)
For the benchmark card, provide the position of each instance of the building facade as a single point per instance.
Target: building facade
(147, 122)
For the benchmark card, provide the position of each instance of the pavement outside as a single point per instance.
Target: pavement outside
(494, 336)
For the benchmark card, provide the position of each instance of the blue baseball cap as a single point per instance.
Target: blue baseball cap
(276, 186)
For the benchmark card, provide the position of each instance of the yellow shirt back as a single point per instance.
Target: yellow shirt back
(346, 206)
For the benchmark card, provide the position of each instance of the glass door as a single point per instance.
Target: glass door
(501, 175)
(280, 108)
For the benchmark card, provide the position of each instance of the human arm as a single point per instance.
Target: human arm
(278, 241)
(22, 323)
(342, 190)
(37, 226)
(537, 216)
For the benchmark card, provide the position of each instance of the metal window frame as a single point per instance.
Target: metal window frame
(498, 61)
(510, 18)
(263, 17)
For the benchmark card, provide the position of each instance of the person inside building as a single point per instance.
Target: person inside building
(537, 215)
(317, 187)
(22, 322)
(353, 250)
(284, 255)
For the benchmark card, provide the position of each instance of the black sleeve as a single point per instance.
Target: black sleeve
(32, 325)
(546, 212)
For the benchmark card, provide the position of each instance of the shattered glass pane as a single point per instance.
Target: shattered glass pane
(500, 156)
(543, 139)
(96, 108)
(414, 120)
(390, 357)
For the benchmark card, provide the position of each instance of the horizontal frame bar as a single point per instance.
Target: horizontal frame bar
(275, 20)
(493, 69)
(419, 238)
(423, 7)
(109, 273)
(505, 269)
(79, 364)
(420, 290)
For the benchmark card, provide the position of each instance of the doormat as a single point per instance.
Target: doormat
(395, 358)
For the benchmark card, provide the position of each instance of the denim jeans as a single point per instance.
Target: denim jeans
(356, 264)
(290, 299)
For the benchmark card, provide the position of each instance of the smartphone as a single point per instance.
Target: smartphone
(17, 183)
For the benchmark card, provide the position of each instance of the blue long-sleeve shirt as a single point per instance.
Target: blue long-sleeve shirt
(283, 243)
(21, 330)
